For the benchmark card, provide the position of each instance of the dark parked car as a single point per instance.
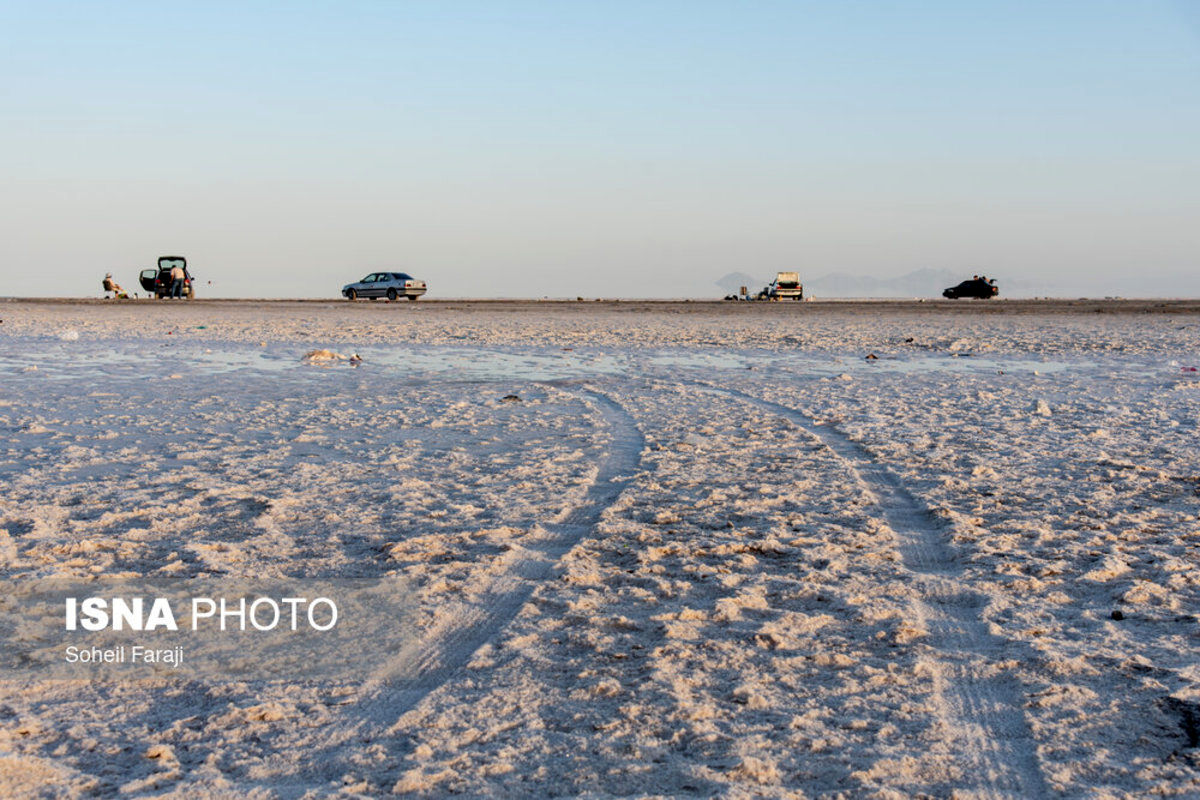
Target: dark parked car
(979, 288)
(158, 281)
(385, 284)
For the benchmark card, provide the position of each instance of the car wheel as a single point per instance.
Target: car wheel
(413, 297)
(351, 295)
(391, 295)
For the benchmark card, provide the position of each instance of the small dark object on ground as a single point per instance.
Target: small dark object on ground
(1118, 615)
(872, 357)
(510, 398)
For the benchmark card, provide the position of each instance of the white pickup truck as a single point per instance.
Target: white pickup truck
(786, 286)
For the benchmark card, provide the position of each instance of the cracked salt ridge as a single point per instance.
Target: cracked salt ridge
(983, 711)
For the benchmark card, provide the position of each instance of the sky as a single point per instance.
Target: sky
(599, 149)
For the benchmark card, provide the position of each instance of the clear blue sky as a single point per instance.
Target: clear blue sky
(599, 148)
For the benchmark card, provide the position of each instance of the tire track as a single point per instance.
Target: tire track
(434, 659)
(982, 709)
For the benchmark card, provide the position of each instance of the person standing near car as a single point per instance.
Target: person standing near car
(177, 281)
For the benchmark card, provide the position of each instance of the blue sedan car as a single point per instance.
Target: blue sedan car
(391, 285)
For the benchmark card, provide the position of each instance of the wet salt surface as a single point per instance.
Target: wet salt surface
(56, 358)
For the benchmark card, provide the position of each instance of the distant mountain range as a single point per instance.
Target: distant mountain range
(920, 283)
(735, 280)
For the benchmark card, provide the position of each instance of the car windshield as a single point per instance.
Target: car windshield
(170, 263)
(369, 279)
(402, 276)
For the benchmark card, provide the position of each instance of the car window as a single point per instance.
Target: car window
(402, 276)
(369, 279)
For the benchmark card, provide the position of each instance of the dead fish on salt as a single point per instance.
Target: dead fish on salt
(330, 357)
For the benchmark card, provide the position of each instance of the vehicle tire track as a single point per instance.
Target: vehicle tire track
(378, 707)
(434, 659)
(992, 744)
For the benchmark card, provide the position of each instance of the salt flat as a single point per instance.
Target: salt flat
(712, 548)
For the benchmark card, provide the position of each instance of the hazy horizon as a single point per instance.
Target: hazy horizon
(601, 149)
